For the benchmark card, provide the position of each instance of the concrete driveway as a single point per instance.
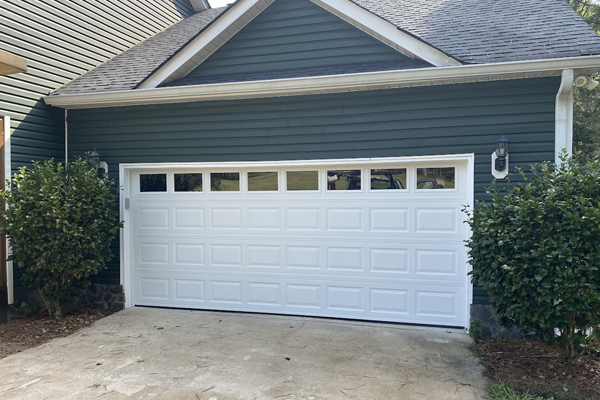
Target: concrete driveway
(177, 354)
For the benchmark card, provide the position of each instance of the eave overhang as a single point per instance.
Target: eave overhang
(330, 84)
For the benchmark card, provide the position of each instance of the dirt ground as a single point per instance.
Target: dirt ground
(23, 333)
(534, 367)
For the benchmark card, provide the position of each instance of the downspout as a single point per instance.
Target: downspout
(8, 176)
(66, 138)
(564, 116)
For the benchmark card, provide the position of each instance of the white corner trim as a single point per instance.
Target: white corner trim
(7, 176)
(386, 32)
(327, 84)
(224, 27)
(564, 116)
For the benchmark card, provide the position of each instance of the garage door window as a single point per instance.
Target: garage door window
(344, 179)
(388, 179)
(225, 181)
(263, 181)
(188, 182)
(153, 183)
(436, 178)
(302, 180)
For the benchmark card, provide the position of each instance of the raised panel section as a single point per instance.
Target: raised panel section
(389, 220)
(305, 296)
(189, 290)
(191, 254)
(154, 288)
(344, 219)
(157, 218)
(389, 301)
(344, 298)
(389, 260)
(263, 218)
(436, 220)
(303, 257)
(226, 255)
(302, 219)
(226, 292)
(345, 259)
(189, 218)
(226, 218)
(437, 304)
(264, 256)
(154, 253)
(436, 262)
(268, 294)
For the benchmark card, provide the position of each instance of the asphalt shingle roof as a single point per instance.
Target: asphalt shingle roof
(472, 31)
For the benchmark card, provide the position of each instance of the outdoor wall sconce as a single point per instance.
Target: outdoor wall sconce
(500, 158)
(101, 166)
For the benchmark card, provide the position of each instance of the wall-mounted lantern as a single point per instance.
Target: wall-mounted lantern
(101, 166)
(500, 158)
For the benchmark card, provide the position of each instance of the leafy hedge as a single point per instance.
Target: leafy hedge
(60, 221)
(535, 248)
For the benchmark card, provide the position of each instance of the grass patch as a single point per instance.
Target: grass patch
(502, 391)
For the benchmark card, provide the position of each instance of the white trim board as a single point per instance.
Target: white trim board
(7, 176)
(126, 169)
(329, 84)
(209, 41)
(236, 18)
(386, 32)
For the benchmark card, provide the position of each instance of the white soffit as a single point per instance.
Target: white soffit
(386, 32)
(229, 24)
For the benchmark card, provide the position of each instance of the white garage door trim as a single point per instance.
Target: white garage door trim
(126, 171)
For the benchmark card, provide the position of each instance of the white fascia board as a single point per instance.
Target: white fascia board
(211, 33)
(360, 17)
(327, 84)
(564, 116)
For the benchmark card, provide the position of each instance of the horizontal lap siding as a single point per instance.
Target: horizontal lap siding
(61, 40)
(292, 34)
(465, 118)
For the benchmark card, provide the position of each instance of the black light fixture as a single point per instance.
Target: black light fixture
(501, 153)
(95, 159)
(102, 167)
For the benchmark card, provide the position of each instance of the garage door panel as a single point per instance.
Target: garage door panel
(370, 301)
(383, 255)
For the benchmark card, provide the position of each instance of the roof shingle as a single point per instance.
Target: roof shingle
(472, 31)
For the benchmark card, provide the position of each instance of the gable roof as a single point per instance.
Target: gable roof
(471, 31)
(486, 31)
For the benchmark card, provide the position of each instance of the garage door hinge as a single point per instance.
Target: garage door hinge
(127, 204)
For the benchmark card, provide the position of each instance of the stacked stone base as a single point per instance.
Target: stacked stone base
(105, 297)
(489, 323)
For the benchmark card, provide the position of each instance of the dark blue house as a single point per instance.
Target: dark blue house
(312, 157)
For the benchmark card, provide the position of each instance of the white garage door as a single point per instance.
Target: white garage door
(366, 241)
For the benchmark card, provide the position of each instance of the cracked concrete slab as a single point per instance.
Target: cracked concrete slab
(179, 354)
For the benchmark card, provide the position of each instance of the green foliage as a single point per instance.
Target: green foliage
(60, 221)
(475, 329)
(586, 110)
(501, 391)
(535, 250)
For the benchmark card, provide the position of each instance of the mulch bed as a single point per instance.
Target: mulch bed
(23, 333)
(534, 367)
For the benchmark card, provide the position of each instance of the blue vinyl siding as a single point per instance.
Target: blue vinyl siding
(293, 34)
(451, 119)
(61, 40)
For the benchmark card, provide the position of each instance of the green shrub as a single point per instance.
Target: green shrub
(535, 249)
(60, 221)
